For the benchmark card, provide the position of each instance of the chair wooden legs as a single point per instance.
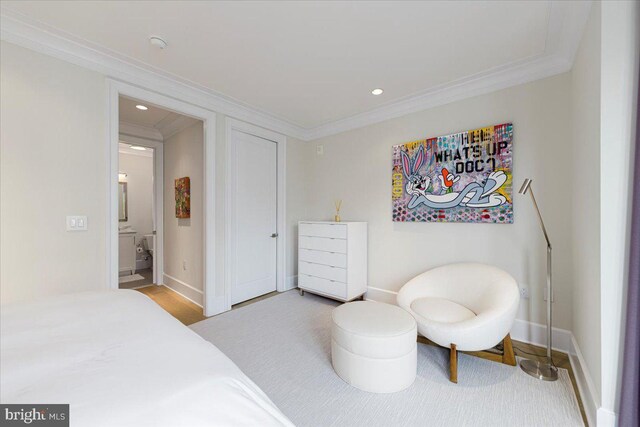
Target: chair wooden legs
(508, 357)
(453, 364)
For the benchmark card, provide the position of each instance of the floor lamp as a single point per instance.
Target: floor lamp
(541, 370)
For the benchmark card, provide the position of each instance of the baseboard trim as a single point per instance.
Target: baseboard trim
(606, 418)
(536, 334)
(585, 384)
(183, 289)
(381, 295)
(291, 283)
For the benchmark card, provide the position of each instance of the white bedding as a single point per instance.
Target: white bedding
(120, 360)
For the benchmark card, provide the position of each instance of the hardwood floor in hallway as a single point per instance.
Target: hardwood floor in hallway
(175, 304)
(181, 308)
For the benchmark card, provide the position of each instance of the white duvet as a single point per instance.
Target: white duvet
(120, 360)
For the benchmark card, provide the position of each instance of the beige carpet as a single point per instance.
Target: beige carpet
(283, 344)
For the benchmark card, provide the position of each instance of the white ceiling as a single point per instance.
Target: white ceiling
(314, 63)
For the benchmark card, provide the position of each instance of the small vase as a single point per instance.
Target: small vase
(336, 218)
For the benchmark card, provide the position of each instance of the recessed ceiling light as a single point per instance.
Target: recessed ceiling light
(141, 107)
(377, 91)
(137, 147)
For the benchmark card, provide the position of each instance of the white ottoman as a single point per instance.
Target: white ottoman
(373, 346)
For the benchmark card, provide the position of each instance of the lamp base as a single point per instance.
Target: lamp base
(540, 370)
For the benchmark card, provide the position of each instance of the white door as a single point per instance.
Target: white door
(255, 172)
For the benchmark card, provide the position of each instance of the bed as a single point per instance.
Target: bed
(119, 359)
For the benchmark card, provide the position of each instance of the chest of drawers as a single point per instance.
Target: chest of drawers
(332, 258)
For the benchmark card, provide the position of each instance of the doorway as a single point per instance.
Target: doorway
(212, 303)
(160, 150)
(137, 254)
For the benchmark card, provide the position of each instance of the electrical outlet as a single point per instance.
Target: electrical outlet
(319, 150)
(184, 264)
(524, 291)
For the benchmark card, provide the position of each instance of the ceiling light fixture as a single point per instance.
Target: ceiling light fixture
(142, 107)
(157, 42)
(377, 91)
(137, 147)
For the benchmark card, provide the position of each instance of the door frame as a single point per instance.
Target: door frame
(158, 199)
(280, 140)
(212, 304)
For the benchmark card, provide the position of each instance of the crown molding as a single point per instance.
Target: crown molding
(138, 131)
(172, 125)
(21, 30)
(162, 131)
(494, 80)
(566, 24)
(564, 32)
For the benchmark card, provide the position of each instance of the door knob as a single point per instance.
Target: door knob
(274, 235)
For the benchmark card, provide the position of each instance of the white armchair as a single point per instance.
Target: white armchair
(466, 307)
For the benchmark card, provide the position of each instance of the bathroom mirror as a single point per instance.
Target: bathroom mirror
(122, 202)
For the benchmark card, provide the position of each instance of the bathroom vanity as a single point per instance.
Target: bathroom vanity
(127, 251)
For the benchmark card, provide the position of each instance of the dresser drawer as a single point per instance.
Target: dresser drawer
(337, 231)
(323, 286)
(323, 271)
(323, 244)
(320, 257)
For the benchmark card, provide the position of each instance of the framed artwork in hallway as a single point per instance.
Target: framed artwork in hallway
(183, 197)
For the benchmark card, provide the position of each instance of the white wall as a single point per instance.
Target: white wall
(619, 90)
(356, 166)
(184, 237)
(53, 164)
(62, 162)
(585, 218)
(298, 176)
(139, 170)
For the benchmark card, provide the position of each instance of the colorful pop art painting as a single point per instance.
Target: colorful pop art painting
(463, 177)
(183, 197)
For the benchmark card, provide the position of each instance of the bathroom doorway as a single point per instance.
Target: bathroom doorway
(137, 225)
(140, 194)
(192, 263)
(161, 236)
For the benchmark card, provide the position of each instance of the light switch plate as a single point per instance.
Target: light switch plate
(76, 223)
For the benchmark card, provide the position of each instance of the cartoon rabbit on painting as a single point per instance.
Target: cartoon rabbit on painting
(473, 195)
